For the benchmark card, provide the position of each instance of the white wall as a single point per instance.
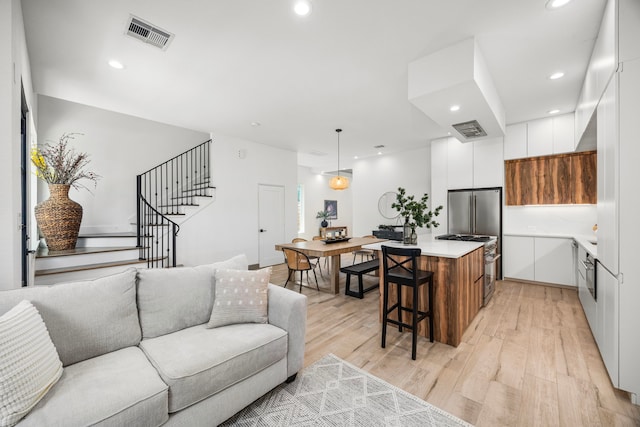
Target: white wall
(120, 147)
(14, 69)
(229, 225)
(372, 177)
(316, 191)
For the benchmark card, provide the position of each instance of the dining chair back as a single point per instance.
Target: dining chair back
(298, 261)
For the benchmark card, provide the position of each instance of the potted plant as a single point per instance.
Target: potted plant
(61, 167)
(416, 213)
(324, 215)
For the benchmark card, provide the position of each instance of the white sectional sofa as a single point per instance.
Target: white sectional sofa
(136, 350)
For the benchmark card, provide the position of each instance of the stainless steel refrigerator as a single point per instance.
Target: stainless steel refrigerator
(477, 211)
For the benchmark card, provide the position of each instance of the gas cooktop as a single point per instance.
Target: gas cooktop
(464, 237)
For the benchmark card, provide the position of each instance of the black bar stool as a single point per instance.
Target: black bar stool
(405, 273)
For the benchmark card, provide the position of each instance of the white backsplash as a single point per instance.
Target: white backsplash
(562, 220)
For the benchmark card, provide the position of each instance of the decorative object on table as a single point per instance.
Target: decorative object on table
(331, 208)
(334, 392)
(339, 182)
(325, 216)
(61, 167)
(415, 213)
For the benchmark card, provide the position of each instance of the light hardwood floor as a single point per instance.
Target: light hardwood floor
(527, 359)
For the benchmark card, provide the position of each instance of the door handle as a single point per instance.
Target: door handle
(262, 230)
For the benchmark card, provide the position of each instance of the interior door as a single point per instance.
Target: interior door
(271, 223)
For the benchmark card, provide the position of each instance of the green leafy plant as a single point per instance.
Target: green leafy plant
(323, 214)
(416, 213)
(59, 164)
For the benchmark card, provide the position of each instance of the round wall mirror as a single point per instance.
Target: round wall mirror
(384, 205)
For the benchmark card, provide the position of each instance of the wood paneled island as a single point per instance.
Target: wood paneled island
(458, 281)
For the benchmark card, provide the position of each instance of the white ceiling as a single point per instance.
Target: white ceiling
(234, 62)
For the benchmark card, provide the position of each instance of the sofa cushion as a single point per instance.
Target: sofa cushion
(116, 389)
(177, 298)
(240, 297)
(87, 318)
(198, 362)
(29, 363)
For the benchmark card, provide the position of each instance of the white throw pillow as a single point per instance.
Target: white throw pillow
(240, 297)
(29, 362)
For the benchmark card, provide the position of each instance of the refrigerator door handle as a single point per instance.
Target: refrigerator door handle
(473, 213)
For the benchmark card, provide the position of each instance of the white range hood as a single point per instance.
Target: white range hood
(458, 75)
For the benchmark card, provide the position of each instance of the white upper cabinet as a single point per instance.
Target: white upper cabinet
(539, 137)
(601, 67)
(488, 166)
(563, 133)
(515, 141)
(460, 164)
(542, 137)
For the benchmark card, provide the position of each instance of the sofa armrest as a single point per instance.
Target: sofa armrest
(288, 310)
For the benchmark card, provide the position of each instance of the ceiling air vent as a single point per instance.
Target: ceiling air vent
(148, 33)
(471, 129)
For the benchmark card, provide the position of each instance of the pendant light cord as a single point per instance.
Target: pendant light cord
(338, 131)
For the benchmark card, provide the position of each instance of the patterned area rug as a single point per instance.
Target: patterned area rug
(331, 392)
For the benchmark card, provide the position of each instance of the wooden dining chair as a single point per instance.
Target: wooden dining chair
(298, 261)
(315, 261)
(369, 253)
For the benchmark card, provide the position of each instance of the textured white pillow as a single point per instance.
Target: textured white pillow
(29, 362)
(240, 297)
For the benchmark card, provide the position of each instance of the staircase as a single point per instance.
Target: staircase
(167, 196)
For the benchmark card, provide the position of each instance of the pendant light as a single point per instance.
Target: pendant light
(339, 182)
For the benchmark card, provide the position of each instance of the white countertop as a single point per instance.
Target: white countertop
(583, 240)
(432, 247)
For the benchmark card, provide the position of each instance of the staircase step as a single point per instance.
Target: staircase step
(110, 240)
(197, 190)
(90, 271)
(46, 259)
(152, 214)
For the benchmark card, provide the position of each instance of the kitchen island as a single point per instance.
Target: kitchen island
(458, 282)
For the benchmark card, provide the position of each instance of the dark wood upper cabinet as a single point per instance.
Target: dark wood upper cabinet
(548, 180)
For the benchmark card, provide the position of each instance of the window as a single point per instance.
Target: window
(300, 208)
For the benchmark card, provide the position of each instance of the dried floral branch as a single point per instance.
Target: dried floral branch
(60, 164)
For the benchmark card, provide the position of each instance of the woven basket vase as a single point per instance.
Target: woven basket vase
(59, 218)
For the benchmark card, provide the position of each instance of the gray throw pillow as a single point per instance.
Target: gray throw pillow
(240, 297)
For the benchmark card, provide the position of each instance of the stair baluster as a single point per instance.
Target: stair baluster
(161, 191)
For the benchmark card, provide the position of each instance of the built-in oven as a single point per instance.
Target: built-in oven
(491, 257)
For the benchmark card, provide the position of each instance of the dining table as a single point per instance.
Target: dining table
(333, 250)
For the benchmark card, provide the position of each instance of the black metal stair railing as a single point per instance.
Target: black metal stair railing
(163, 191)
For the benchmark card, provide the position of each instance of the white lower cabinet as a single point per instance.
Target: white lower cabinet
(606, 331)
(517, 257)
(542, 259)
(554, 260)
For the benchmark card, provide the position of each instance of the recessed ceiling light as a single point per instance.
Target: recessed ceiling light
(556, 75)
(379, 153)
(116, 64)
(454, 108)
(355, 157)
(555, 4)
(556, 111)
(255, 124)
(302, 7)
